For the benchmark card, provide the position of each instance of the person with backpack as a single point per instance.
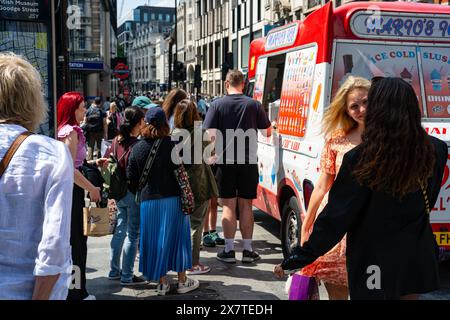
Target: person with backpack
(114, 121)
(127, 229)
(96, 128)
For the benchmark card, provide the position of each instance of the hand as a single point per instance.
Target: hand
(304, 236)
(278, 271)
(102, 162)
(94, 194)
(274, 125)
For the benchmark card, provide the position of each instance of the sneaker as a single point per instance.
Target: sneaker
(90, 297)
(114, 277)
(208, 241)
(228, 257)
(163, 289)
(189, 285)
(135, 281)
(250, 256)
(198, 269)
(217, 239)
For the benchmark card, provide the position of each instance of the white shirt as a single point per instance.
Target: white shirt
(35, 214)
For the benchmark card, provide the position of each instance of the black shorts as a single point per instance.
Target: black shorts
(237, 180)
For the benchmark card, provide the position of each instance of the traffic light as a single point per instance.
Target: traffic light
(227, 65)
(179, 71)
(198, 77)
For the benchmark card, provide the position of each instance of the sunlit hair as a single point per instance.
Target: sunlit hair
(396, 153)
(186, 114)
(113, 107)
(234, 78)
(67, 105)
(21, 96)
(172, 99)
(152, 131)
(336, 117)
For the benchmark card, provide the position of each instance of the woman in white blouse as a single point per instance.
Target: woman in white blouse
(35, 192)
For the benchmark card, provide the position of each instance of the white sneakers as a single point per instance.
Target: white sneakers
(188, 285)
(163, 289)
(90, 297)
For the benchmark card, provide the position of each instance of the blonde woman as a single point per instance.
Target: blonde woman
(35, 192)
(343, 126)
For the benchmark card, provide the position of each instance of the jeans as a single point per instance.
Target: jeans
(127, 227)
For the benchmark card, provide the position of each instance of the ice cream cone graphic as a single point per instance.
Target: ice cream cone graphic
(406, 75)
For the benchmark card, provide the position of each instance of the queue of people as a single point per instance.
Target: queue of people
(370, 205)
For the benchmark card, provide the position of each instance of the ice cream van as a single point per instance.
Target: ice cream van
(297, 68)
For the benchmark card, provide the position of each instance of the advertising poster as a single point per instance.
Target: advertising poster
(368, 61)
(436, 77)
(296, 91)
(258, 92)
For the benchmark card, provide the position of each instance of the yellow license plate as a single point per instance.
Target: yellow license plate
(442, 238)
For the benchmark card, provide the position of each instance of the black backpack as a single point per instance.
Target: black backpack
(116, 185)
(94, 120)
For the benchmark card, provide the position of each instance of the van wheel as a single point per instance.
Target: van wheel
(290, 226)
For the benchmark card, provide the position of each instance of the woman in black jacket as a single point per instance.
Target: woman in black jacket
(377, 199)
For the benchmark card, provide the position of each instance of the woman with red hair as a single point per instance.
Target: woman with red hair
(71, 111)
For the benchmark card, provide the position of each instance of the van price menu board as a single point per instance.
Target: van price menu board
(296, 91)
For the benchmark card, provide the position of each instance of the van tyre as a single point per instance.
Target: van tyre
(291, 224)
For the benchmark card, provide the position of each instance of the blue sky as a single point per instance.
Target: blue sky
(131, 4)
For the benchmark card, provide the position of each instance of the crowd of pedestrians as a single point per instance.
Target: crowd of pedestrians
(369, 206)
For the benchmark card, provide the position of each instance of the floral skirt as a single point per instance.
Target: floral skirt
(331, 267)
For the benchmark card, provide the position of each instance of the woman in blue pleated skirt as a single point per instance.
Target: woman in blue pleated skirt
(165, 230)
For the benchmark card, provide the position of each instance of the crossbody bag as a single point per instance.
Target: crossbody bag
(12, 150)
(146, 173)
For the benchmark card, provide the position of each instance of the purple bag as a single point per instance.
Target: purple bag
(303, 288)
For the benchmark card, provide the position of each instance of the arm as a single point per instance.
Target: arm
(346, 200)
(323, 185)
(43, 287)
(54, 250)
(72, 141)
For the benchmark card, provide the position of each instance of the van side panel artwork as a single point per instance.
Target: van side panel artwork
(297, 69)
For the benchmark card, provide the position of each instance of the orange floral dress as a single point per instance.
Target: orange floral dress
(331, 267)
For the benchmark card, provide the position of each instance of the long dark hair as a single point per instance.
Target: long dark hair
(172, 99)
(133, 116)
(396, 154)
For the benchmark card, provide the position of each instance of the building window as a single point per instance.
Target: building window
(259, 10)
(210, 55)
(217, 54)
(152, 16)
(137, 14)
(257, 34)
(245, 47)
(234, 50)
(146, 17)
(168, 17)
(160, 17)
(190, 35)
(205, 57)
(238, 18)
(190, 18)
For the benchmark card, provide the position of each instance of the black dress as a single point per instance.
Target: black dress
(391, 250)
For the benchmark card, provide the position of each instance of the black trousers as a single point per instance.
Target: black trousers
(79, 244)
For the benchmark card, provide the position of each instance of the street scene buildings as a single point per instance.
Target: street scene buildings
(295, 80)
